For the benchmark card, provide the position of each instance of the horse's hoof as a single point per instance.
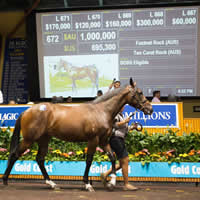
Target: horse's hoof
(51, 184)
(110, 186)
(103, 179)
(89, 188)
(56, 188)
(5, 181)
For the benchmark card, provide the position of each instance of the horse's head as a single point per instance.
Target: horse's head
(63, 64)
(137, 99)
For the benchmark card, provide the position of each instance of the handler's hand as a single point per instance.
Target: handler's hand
(136, 126)
(127, 120)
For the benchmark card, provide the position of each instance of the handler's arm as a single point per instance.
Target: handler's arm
(118, 124)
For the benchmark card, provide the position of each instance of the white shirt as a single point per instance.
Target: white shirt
(120, 131)
(1, 97)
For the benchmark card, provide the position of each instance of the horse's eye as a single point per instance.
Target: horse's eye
(133, 95)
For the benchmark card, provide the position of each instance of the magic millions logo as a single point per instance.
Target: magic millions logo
(153, 116)
(8, 116)
(164, 115)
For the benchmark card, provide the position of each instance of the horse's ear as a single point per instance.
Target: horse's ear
(131, 81)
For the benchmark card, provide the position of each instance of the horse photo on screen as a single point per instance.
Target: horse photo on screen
(88, 122)
(76, 73)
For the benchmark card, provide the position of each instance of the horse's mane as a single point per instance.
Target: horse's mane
(108, 95)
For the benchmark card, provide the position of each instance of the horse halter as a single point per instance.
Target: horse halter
(140, 104)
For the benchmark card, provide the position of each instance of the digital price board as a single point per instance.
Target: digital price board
(82, 51)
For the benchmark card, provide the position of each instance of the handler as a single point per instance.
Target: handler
(117, 143)
(114, 85)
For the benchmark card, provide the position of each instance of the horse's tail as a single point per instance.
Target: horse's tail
(16, 136)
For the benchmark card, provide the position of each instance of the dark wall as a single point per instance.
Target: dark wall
(32, 58)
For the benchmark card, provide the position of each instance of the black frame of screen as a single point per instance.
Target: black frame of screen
(33, 69)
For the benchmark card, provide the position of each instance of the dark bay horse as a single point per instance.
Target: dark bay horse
(91, 122)
(77, 73)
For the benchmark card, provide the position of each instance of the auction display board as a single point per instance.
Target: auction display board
(158, 47)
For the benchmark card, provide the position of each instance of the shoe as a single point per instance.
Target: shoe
(110, 186)
(130, 187)
(103, 179)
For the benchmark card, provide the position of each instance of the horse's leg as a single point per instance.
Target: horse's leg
(97, 81)
(93, 82)
(92, 144)
(97, 85)
(93, 87)
(13, 157)
(40, 158)
(73, 85)
(108, 150)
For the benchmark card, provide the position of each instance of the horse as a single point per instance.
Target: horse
(76, 73)
(90, 121)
